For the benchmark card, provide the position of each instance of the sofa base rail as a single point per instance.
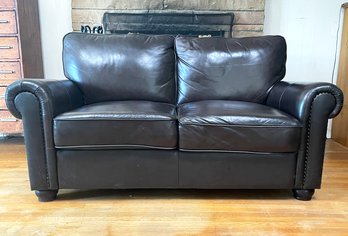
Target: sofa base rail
(51, 195)
(127, 169)
(163, 169)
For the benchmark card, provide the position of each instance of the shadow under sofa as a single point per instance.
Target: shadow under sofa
(139, 111)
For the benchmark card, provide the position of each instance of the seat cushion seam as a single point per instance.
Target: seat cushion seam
(242, 126)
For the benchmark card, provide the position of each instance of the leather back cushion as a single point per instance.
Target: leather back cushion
(230, 69)
(121, 67)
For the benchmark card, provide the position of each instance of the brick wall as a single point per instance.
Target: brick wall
(249, 14)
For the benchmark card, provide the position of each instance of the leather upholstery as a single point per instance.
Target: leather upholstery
(117, 169)
(122, 169)
(37, 102)
(216, 170)
(118, 125)
(54, 96)
(296, 98)
(121, 67)
(229, 69)
(312, 104)
(236, 126)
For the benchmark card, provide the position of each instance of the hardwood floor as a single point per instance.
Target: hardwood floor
(174, 212)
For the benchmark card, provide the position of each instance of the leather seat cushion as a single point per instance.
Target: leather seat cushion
(118, 125)
(218, 125)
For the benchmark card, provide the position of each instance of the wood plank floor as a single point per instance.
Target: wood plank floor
(164, 212)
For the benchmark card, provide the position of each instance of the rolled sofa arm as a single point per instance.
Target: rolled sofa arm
(296, 98)
(37, 102)
(312, 104)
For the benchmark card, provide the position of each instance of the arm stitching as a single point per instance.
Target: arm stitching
(306, 160)
(42, 132)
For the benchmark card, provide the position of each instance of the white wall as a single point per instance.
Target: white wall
(55, 22)
(310, 28)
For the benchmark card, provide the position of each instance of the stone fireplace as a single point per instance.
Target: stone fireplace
(248, 14)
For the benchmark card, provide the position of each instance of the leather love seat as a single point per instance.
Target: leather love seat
(139, 111)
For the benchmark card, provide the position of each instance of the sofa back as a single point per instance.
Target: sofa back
(229, 69)
(121, 67)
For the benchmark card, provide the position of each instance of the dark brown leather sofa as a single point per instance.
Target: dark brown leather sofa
(143, 111)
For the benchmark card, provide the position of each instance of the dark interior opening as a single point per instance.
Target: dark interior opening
(192, 23)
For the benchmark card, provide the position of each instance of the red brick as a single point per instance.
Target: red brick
(5, 115)
(13, 127)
